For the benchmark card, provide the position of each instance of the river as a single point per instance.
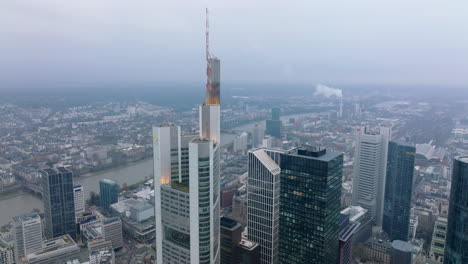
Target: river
(131, 174)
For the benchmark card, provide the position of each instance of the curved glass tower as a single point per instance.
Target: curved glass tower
(456, 247)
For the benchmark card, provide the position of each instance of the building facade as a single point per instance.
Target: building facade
(456, 250)
(27, 231)
(59, 202)
(437, 249)
(78, 194)
(112, 231)
(310, 192)
(370, 171)
(108, 192)
(186, 183)
(398, 190)
(263, 198)
(231, 232)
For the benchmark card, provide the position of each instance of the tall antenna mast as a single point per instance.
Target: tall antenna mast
(208, 61)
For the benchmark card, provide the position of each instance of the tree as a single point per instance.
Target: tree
(94, 199)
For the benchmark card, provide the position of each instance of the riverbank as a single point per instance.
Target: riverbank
(10, 193)
(99, 172)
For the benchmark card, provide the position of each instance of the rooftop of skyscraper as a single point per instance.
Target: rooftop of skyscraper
(25, 217)
(312, 152)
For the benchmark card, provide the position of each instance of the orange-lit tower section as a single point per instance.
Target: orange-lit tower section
(210, 110)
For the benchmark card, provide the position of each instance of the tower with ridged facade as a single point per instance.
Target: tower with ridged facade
(186, 183)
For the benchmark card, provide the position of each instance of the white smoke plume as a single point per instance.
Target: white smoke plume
(327, 91)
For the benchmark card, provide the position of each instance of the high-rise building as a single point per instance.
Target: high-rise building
(112, 231)
(231, 232)
(273, 125)
(370, 165)
(78, 195)
(186, 183)
(7, 252)
(398, 189)
(347, 230)
(239, 143)
(27, 231)
(310, 192)
(249, 252)
(59, 202)
(258, 134)
(263, 199)
(437, 249)
(108, 192)
(456, 249)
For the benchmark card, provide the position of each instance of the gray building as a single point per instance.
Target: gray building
(59, 202)
(370, 171)
(54, 250)
(27, 231)
(112, 231)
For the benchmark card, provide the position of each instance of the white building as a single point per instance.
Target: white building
(52, 250)
(27, 231)
(262, 193)
(78, 194)
(370, 171)
(112, 231)
(239, 143)
(186, 184)
(258, 134)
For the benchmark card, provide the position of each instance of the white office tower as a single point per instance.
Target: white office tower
(78, 194)
(263, 194)
(370, 167)
(258, 134)
(27, 231)
(186, 170)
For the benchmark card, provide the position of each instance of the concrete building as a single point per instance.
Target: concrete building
(370, 171)
(413, 226)
(7, 252)
(310, 192)
(347, 230)
(53, 250)
(263, 196)
(112, 231)
(59, 202)
(378, 250)
(249, 252)
(359, 215)
(240, 142)
(456, 250)
(258, 134)
(437, 249)
(231, 232)
(78, 194)
(27, 231)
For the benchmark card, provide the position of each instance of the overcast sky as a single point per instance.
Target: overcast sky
(151, 41)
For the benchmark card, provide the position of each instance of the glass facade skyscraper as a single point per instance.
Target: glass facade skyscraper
(398, 187)
(108, 192)
(309, 212)
(456, 246)
(59, 202)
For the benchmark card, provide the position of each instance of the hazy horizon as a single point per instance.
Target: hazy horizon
(362, 42)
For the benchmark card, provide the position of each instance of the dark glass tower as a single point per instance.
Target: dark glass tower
(398, 186)
(108, 192)
(59, 202)
(309, 212)
(456, 245)
(273, 125)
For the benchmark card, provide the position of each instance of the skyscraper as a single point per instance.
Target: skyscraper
(59, 202)
(230, 238)
(398, 188)
(27, 231)
(263, 200)
(456, 246)
(186, 182)
(108, 192)
(310, 192)
(273, 125)
(370, 167)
